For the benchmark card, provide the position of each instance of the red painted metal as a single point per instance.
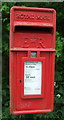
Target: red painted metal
(32, 29)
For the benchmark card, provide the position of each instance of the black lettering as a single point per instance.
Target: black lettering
(31, 66)
(32, 77)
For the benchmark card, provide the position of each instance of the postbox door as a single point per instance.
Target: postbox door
(23, 97)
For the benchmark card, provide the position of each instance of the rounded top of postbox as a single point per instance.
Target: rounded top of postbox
(32, 9)
(32, 16)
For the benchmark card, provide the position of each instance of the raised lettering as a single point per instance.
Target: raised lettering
(27, 16)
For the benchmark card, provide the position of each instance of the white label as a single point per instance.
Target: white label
(32, 77)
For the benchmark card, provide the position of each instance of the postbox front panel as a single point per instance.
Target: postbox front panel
(32, 54)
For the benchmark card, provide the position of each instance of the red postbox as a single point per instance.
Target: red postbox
(32, 59)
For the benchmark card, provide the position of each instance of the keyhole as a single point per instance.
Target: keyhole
(20, 81)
